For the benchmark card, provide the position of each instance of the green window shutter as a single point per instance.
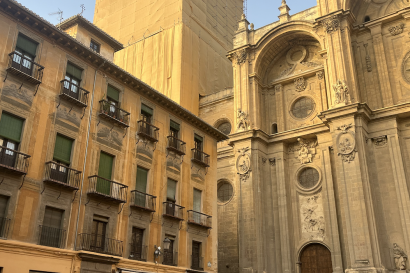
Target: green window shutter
(3, 206)
(142, 179)
(171, 189)
(62, 149)
(113, 93)
(11, 127)
(146, 110)
(27, 45)
(74, 71)
(198, 138)
(197, 200)
(105, 166)
(174, 125)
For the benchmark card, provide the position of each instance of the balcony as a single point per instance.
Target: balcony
(61, 175)
(173, 210)
(143, 201)
(197, 263)
(200, 158)
(147, 131)
(25, 68)
(13, 161)
(4, 227)
(138, 252)
(52, 237)
(99, 244)
(199, 219)
(114, 113)
(107, 189)
(176, 145)
(170, 258)
(74, 93)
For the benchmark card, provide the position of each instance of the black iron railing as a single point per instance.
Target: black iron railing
(143, 200)
(74, 93)
(198, 218)
(170, 258)
(200, 157)
(138, 252)
(25, 66)
(173, 210)
(108, 189)
(13, 160)
(176, 145)
(99, 244)
(53, 237)
(148, 130)
(111, 111)
(197, 263)
(62, 175)
(4, 227)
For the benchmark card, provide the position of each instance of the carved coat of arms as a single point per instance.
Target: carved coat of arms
(300, 84)
(305, 150)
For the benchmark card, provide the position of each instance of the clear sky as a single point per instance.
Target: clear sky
(260, 12)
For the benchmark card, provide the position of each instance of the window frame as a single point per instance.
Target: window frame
(94, 42)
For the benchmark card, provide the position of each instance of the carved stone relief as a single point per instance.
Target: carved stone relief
(380, 141)
(346, 143)
(109, 136)
(331, 24)
(406, 67)
(304, 151)
(21, 95)
(341, 93)
(312, 217)
(320, 75)
(400, 257)
(243, 164)
(300, 84)
(72, 117)
(368, 60)
(240, 56)
(243, 122)
(396, 30)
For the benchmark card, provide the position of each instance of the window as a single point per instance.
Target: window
(62, 156)
(25, 54)
(72, 80)
(113, 98)
(105, 172)
(274, 128)
(225, 192)
(10, 134)
(171, 196)
(4, 200)
(169, 253)
(225, 127)
(95, 46)
(303, 107)
(308, 178)
(198, 142)
(98, 233)
(141, 187)
(197, 200)
(137, 249)
(174, 129)
(196, 256)
(366, 18)
(146, 113)
(50, 232)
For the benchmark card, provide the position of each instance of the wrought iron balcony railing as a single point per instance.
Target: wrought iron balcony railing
(176, 145)
(74, 93)
(13, 161)
(173, 210)
(143, 200)
(113, 113)
(4, 227)
(62, 175)
(200, 157)
(53, 237)
(99, 244)
(200, 219)
(101, 187)
(197, 263)
(24, 67)
(170, 258)
(148, 131)
(138, 252)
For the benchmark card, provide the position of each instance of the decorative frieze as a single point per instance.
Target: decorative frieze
(396, 30)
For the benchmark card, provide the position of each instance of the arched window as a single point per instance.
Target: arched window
(274, 128)
(366, 18)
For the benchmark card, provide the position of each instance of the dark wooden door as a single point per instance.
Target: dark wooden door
(98, 236)
(7, 156)
(196, 255)
(316, 258)
(71, 86)
(173, 141)
(59, 172)
(169, 254)
(51, 233)
(136, 243)
(23, 62)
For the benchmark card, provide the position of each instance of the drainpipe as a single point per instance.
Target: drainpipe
(86, 152)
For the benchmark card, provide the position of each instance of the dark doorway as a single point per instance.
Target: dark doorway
(316, 258)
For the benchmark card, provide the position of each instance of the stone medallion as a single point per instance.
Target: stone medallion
(406, 67)
(243, 164)
(346, 143)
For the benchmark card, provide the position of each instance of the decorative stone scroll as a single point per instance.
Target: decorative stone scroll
(305, 150)
(341, 92)
(380, 141)
(300, 84)
(312, 217)
(346, 143)
(243, 164)
(243, 122)
(240, 56)
(400, 257)
(331, 24)
(396, 30)
(320, 75)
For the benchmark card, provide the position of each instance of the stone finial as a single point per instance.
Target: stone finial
(284, 12)
(283, 2)
(243, 16)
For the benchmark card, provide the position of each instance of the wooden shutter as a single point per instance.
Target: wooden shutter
(142, 178)
(147, 111)
(3, 206)
(113, 93)
(74, 71)
(62, 149)
(11, 127)
(26, 45)
(174, 126)
(171, 189)
(105, 166)
(53, 217)
(197, 200)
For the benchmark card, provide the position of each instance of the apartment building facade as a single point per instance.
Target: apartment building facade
(97, 169)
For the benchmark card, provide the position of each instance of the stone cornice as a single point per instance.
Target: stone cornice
(54, 35)
(25, 249)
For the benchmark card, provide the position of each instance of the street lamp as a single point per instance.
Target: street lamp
(157, 252)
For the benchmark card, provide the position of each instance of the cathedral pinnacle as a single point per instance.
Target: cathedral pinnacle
(284, 12)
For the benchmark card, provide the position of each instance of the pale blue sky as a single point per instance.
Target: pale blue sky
(260, 12)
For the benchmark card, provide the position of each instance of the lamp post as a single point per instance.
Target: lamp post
(158, 252)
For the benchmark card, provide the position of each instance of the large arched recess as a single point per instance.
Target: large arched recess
(277, 40)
